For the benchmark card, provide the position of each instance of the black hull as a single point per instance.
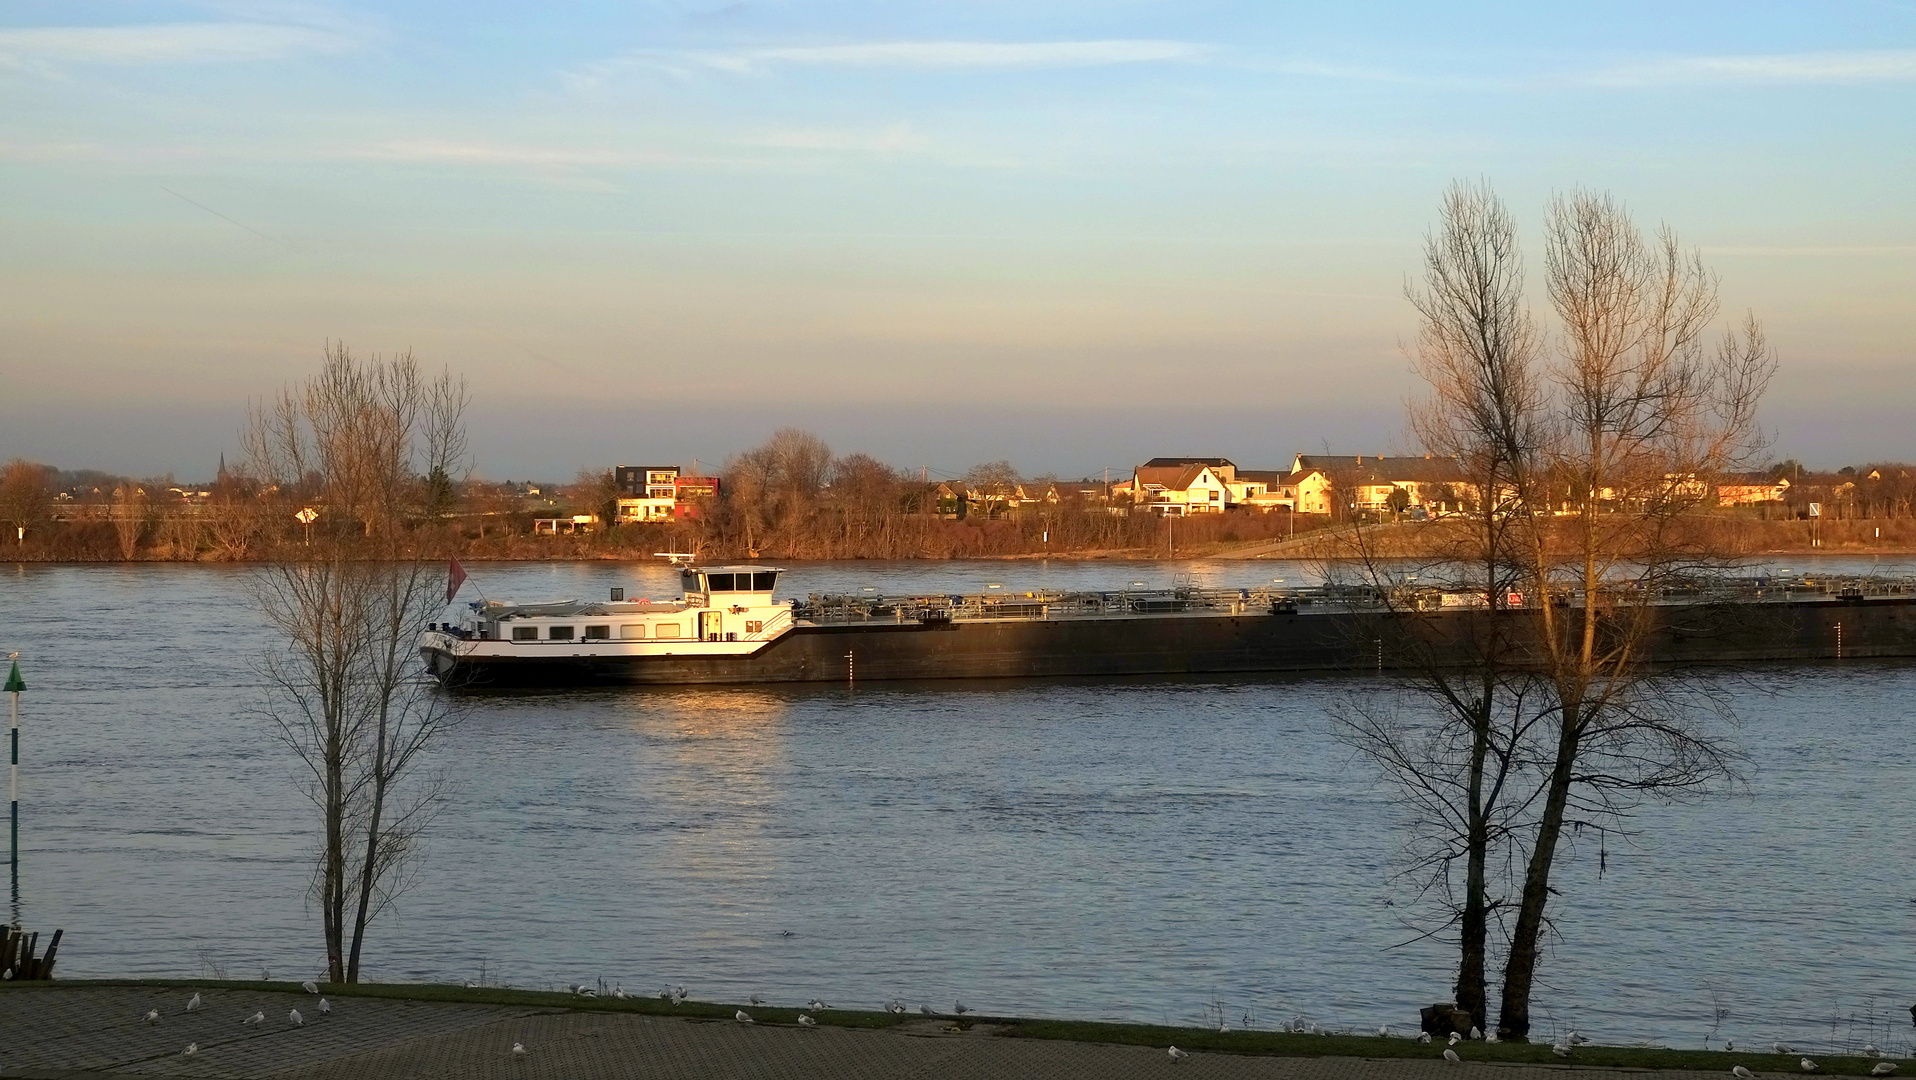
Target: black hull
(1203, 644)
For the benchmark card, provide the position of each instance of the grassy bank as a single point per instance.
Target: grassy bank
(1265, 1043)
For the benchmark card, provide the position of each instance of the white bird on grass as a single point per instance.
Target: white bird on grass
(806, 1021)
(1782, 1048)
(1883, 1068)
(741, 1017)
(618, 991)
(1474, 1033)
(1383, 1032)
(298, 1020)
(1742, 1073)
(193, 1003)
(325, 1006)
(265, 975)
(256, 1018)
(816, 1004)
(1871, 1051)
(309, 986)
(665, 993)
(927, 1010)
(1451, 1056)
(191, 1049)
(1560, 1050)
(152, 1017)
(1807, 1065)
(518, 1050)
(679, 992)
(1176, 1054)
(756, 999)
(1490, 1036)
(895, 1007)
(959, 1008)
(1455, 1038)
(1576, 1038)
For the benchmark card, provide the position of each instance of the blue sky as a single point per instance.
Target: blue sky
(1074, 235)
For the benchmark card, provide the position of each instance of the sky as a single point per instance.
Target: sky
(1071, 235)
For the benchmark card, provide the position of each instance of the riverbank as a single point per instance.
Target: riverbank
(371, 1030)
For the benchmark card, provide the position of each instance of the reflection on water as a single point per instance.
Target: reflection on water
(1130, 849)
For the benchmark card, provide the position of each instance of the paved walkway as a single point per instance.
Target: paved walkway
(60, 1032)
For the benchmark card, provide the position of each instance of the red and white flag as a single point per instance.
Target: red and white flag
(455, 577)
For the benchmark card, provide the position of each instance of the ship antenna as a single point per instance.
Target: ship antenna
(676, 558)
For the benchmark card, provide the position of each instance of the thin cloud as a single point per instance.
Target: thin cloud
(165, 43)
(453, 152)
(1883, 65)
(926, 55)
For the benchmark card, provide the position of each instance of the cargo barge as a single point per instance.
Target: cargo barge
(725, 627)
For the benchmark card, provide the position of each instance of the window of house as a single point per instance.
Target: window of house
(560, 633)
(525, 633)
(598, 633)
(632, 630)
(667, 630)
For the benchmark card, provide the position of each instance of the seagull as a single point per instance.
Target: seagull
(895, 1007)
(194, 1003)
(191, 1049)
(1576, 1039)
(926, 1009)
(679, 992)
(741, 1017)
(1742, 1073)
(324, 1007)
(959, 1008)
(1560, 1050)
(816, 1004)
(152, 1017)
(806, 1021)
(665, 993)
(518, 1050)
(1383, 1031)
(1807, 1065)
(1728, 1045)
(265, 975)
(298, 1020)
(1423, 1037)
(619, 991)
(309, 986)
(1782, 1048)
(1490, 1036)
(1177, 1055)
(1455, 1038)
(1451, 1056)
(1883, 1068)
(756, 999)
(786, 933)
(256, 1018)
(1872, 1051)
(1474, 1033)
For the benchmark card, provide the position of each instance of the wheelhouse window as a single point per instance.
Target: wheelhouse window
(720, 582)
(598, 633)
(764, 580)
(559, 633)
(525, 633)
(689, 581)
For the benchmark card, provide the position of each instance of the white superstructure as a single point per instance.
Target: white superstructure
(721, 611)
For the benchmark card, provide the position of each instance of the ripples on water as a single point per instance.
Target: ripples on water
(1123, 850)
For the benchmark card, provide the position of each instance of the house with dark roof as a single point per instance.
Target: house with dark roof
(1368, 484)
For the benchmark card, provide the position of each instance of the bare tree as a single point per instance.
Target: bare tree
(345, 690)
(1460, 776)
(129, 516)
(26, 495)
(1641, 421)
(376, 437)
(1585, 470)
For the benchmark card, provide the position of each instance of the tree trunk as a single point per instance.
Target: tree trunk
(1520, 970)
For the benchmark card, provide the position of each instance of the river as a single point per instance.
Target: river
(1146, 850)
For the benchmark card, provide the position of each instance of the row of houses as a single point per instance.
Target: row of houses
(660, 492)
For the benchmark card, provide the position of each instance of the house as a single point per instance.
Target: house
(1751, 490)
(689, 494)
(1372, 484)
(1306, 492)
(646, 492)
(1178, 486)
